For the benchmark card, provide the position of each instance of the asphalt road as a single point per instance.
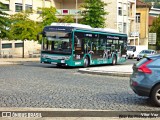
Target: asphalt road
(45, 86)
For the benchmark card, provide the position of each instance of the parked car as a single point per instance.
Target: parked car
(133, 51)
(145, 53)
(145, 79)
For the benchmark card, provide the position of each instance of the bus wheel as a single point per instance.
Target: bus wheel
(114, 61)
(86, 62)
(59, 65)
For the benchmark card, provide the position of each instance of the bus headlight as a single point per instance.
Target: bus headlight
(62, 61)
(43, 56)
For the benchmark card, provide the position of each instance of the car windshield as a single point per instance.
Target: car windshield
(146, 52)
(130, 47)
(141, 62)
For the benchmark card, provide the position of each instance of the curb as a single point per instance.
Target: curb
(108, 73)
(11, 63)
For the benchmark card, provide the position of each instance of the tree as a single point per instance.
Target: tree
(93, 13)
(156, 3)
(66, 19)
(48, 15)
(155, 28)
(4, 22)
(22, 28)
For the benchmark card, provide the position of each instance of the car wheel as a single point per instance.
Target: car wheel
(155, 96)
(132, 56)
(86, 62)
(114, 61)
(127, 57)
(137, 59)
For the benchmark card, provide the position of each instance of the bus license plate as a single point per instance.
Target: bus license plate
(53, 63)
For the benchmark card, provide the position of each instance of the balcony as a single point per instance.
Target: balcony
(131, 18)
(132, 1)
(68, 12)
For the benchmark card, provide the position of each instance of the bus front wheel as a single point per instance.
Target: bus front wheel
(86, 62)
(59, 65)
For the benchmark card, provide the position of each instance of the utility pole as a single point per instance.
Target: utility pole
(76, 12)
(23, 5)
(43, 3)
(23, 8)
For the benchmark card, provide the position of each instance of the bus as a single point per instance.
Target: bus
(72, 44)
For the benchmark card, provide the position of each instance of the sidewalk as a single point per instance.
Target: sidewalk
(116, 70)
(9, 61)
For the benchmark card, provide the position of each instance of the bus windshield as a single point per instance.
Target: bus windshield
(57, 42)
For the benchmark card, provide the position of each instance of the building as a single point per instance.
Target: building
(142, 20)
(122, 15)
(64, 7)
(118, 15)
(133, 36)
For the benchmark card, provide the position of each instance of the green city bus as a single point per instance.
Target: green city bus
(71, 44)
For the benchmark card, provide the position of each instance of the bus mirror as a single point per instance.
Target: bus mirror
(73, 51)
(39, 35)
(43, 35)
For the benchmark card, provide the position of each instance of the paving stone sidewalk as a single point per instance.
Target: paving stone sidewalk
(117, 70)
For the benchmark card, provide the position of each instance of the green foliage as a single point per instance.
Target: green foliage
(23, 28)
(66, 19)
(156, 3)
(93, 13)
(4, 23)
(155, 28)
(48, 15)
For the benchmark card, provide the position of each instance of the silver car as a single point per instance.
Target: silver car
(145, 53)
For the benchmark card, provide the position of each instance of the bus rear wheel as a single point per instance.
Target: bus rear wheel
(114, 61)
(86, 62)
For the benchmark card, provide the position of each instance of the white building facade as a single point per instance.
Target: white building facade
(121, 12)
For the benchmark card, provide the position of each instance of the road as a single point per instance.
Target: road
(45, 86)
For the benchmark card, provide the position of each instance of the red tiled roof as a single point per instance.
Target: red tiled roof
(139, 3)
(151, 19)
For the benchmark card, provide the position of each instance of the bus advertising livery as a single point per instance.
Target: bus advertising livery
(71, 44)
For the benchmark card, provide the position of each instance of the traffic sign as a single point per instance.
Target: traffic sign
(152, 38)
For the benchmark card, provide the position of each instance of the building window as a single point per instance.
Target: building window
(120, 27)
(28, 8)
(39, 12)
(18, 45)
(18, 7)
(138, 16)
(7, 45)
(120, 11)
(4, 7)
(124, 27)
